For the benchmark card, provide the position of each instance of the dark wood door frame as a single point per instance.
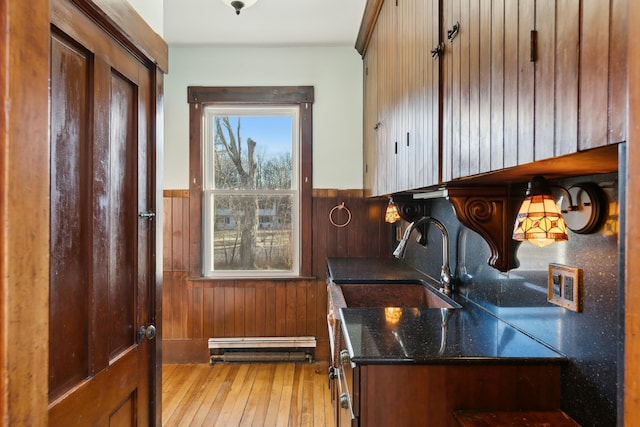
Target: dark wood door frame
(24, 211)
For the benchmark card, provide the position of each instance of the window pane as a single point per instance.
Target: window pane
(251, 232)
(252, 152)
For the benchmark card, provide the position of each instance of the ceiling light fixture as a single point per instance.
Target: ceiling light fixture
(239, 5)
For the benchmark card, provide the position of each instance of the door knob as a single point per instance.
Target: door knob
(148, 332)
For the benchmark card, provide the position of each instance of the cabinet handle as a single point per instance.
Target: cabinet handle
(453, 32)
(437, 51)
(377, 126)
(396, 148)
(407, 139)
(534, 46)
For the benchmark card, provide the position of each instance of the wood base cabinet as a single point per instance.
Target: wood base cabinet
(428, 395)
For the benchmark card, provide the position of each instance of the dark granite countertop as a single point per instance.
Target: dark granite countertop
(427, 335)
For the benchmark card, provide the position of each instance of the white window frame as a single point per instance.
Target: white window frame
(209, 191)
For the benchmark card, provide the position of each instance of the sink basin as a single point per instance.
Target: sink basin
(409, 294)
(402, 294)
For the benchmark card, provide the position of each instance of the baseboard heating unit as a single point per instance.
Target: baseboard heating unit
(262, 349)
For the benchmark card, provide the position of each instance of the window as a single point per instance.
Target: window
(251, 181)
(250, 190)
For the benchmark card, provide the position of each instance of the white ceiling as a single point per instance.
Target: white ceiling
(266, 23)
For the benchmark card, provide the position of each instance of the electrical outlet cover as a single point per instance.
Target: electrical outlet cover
(565, 286)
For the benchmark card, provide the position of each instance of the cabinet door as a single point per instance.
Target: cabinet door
(603, 76)
(580, 75)
(450, 58)
(417, 99)
(405, 79)
(462, 85)
(370, 122)
(556, 76)
(424, 150)
(387, 83)
(519, 101)
(512, 84)
(487, 85)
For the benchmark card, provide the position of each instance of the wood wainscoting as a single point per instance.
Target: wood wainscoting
(196, 310)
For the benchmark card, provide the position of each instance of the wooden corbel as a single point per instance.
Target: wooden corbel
(490, 211)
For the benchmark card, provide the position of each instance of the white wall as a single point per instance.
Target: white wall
(335, 72)
(152, 11)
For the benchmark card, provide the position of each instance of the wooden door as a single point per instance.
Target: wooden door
(100, 248)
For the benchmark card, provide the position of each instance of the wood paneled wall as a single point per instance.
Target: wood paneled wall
(199, 309)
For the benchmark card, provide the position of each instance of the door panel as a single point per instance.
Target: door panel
(96, 399)
(69, 227)
(122, 216)
(100, 104)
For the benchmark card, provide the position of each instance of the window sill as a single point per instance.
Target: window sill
(252, 279)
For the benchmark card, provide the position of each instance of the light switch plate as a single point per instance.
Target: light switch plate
(565, 286)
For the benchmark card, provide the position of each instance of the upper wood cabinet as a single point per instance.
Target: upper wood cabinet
(530, 80)
(513, 83)
(401, 96)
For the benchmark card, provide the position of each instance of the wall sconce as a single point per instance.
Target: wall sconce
(584, 208)
(239, 5)
(391, 215)
(540, 220)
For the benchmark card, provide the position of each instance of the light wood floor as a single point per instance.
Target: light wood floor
(256, 394)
